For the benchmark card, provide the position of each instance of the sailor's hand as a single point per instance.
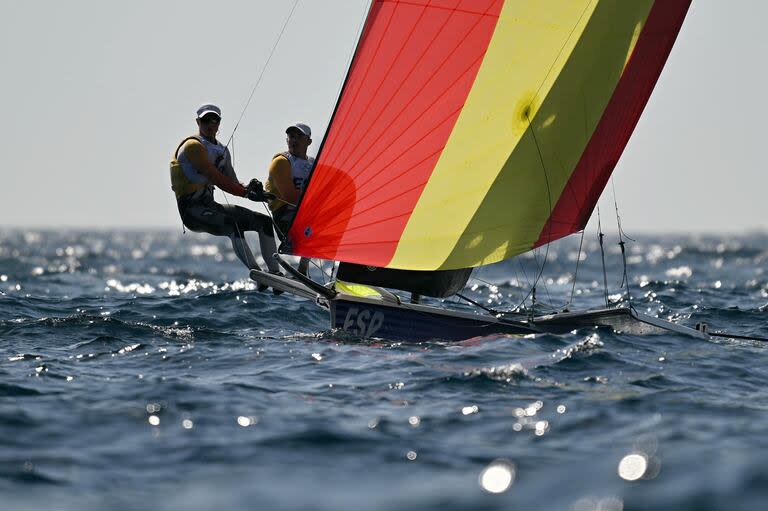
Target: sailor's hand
(255, 192)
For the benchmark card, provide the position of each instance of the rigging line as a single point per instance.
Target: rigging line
(525, 274)
(283, 236)
(602, 255)
(362, 80)
(621, 240)
(518, 291)
(326, 275)
(248, 102)
(308, 181)
(263, 70)
(475, 277)
(571, 189)
(334, 270)
(476, 304)
(240, 233)
(618, 217)
(562, 48)
(541, 84)
(472, 276)
(489, 284)
(550, 302)
(351, 55)
(280, 233)
(549, 196)
(231, 140)
(625, 278)
(576, 274)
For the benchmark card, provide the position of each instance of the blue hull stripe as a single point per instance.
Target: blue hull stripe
(401, 323)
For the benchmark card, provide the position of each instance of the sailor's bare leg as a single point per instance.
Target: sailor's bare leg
(243, 252)
(304, 266)
(268, 250)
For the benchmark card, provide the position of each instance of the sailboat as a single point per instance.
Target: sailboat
(468, 132)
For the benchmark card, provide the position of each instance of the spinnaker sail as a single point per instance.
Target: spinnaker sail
(470, 131)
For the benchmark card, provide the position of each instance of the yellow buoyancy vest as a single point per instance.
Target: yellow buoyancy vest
(180, 184)
(300, 170)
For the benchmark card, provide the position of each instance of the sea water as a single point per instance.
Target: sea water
(143, 370)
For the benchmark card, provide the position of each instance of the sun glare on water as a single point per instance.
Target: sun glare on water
(498, 476)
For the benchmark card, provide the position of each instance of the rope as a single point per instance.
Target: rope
(527, 280)
(248, 102)
(336, 106)
(351, 55)
(602, 255)
(481, 306)
(279, 232)
(263, 70)
(544, 282)
(576, 274)
(532, 292)
(625, 278)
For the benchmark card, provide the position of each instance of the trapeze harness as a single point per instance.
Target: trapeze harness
(194, 196)
(186, 181)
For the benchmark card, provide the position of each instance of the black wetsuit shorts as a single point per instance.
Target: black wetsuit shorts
(207, 215)
(283, 219)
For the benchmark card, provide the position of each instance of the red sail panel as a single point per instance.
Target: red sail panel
(572, 211)
(414, 67)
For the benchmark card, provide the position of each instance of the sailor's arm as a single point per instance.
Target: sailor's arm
(198, 156)
(282, 183)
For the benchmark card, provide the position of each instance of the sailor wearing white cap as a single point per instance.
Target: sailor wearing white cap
(201, 163)
(289, 170)
(288, 174)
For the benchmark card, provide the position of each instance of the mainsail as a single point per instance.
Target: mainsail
(470, 131)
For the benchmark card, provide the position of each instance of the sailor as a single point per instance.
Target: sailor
(288, 174)
(202, 162)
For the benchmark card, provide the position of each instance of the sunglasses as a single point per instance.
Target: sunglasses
(211, 119)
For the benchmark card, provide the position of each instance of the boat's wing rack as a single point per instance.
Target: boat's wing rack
(622, 319)
(625, 320)
(284, 284)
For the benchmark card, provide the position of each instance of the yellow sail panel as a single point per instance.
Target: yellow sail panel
(529, 48)
(554, 64)
(510, 219)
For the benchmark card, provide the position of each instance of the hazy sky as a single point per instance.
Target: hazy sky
(96, 95)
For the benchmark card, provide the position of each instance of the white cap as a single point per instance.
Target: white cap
(301, 127)
(208, 108)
